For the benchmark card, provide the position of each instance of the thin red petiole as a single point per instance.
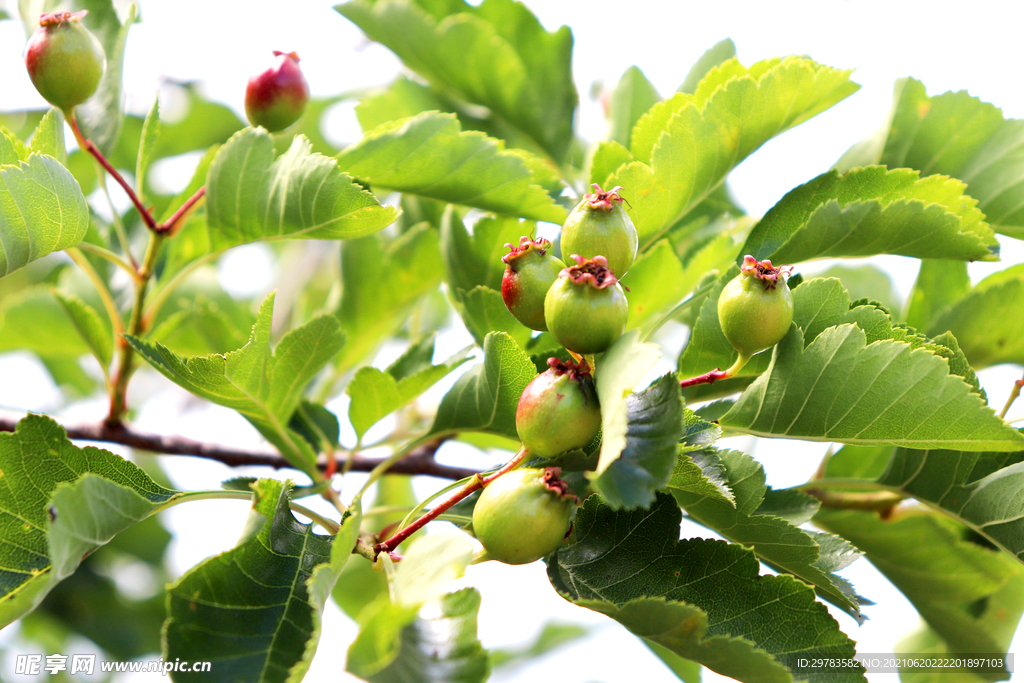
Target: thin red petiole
(92, 149)
(473, 485)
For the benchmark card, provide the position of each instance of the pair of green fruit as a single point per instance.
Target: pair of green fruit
(66, 62)
(583, 305)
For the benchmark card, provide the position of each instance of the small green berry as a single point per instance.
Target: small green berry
(599, 225)
(756, 307)
(558, 411)
(523, 515)
(64, 60)
(530, 270)
(586, 309)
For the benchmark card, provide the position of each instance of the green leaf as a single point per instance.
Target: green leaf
(475, 260)
(402, 99)
(419, 356)
(376, 393)
(621, 367)
(485, 398)
(551, 637)
(686, 145)
(101, 116)
(777, 541)
(48, 137)
(939, 283)
(630, 100)
(34, 320)
(952, 581)
(264, 386)
(438, 646)
(870, 211)
(147, 145)
(12, 149)
(279, 576)
(717, 54)
(654, 421)
(701, 474)
(979, 320)
(429, 155)
(59, 503)
(496, 54)
(398, 637)
(360, 584)
(817, 305)
(200, 326)
(840, 389)
(701, 599)
(94, 330)
(957, 135)
(871, 283)
(252, 196)
(483, 311)
(656, 283)
(380, 283)
(42, 210)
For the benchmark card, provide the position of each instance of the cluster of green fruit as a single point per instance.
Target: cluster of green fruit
(522, 516)
(66, 63)
(583, 305)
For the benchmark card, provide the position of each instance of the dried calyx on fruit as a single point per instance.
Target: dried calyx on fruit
(600, 225)
(523, 515)
(530, 270)
(558, 411)
(756, 308)
(64, 60)
(276, 98)
(586, 309)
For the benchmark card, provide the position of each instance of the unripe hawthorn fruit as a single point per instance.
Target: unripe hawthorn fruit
(530, 270)
(586, 309)
(599, 225)
(276, 98)
(64, 60)
(756, 307)
(523, 515)
(558, 411)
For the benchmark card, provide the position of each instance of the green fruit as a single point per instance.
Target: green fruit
(558, 410)
(756, 308)
(64, 60)
(585, 309)
(530, 270)
(599, 225)
(276, 98)
(523, 515)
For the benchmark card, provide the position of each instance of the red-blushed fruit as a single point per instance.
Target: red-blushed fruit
(276, 98)
(558, 411)
(523, 515)
(756, 307)
(586, 309)
(64, 60)
(599, 225)
(530, 270)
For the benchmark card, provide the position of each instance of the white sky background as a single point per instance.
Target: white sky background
(949, 46)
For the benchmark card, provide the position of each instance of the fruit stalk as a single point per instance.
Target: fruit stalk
(92, 149)
(716, 374)
(475, 483)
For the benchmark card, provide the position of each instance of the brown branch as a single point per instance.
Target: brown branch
(419, 461)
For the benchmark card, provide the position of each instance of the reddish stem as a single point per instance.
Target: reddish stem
(92, 149)
(170, 223)
(473, 485)
(706, 378)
